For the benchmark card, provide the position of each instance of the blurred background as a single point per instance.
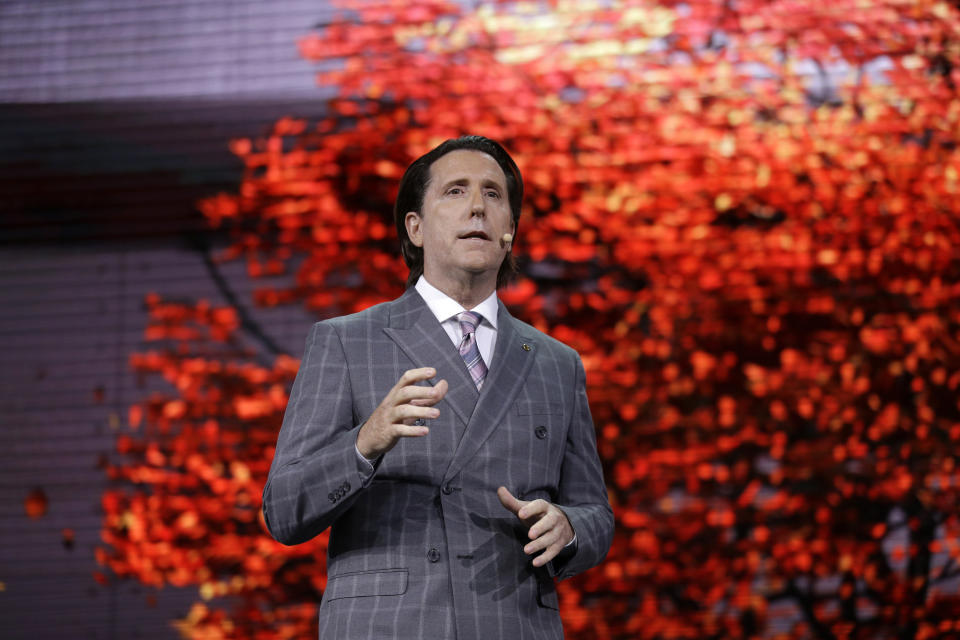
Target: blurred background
(743, 215)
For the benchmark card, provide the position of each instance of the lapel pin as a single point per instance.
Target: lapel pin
(526, 347)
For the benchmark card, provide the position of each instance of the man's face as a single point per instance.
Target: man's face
(466, 211)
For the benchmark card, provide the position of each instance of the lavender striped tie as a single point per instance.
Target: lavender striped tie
(469, 350)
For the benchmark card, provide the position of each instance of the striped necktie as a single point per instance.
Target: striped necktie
(469, 350)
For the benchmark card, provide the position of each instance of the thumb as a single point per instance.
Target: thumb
(509, 502)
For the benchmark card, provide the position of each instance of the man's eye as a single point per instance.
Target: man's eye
(493, 194)
(455, 191)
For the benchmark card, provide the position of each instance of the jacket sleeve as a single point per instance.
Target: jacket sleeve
(583, 494)
(316, 472)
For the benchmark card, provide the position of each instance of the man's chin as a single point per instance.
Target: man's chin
(479, 268)
(475, 272)
(465, 267)
(476, 261)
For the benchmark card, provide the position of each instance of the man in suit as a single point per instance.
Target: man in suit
(448, 445)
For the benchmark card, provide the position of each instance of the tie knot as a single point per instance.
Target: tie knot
(468, 322)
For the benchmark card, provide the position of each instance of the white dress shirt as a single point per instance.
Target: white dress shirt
(446, 310)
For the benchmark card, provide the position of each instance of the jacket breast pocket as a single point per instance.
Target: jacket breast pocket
(358, 584)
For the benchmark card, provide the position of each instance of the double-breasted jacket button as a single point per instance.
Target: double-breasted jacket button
(433, 555)
(447, 489)
(541, 432)
(332, 497)
(346, 487)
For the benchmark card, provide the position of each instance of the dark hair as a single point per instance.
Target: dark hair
(413, 186)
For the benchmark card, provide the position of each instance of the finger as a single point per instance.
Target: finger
(547, 555)
(439, 391)
(415, 394)
(413, 376)
(546, 540)
(536, 508)
(420, 395)
(412, 412)
(432, 396)
(410, 431)
(510, 503)
(544, 524)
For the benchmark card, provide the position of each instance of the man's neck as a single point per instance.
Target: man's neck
(469, 292)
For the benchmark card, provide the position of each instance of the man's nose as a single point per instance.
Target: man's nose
(476, 204)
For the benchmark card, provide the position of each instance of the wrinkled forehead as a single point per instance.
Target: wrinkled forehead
(465, 165)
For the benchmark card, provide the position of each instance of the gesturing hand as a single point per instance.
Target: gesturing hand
(394, 418)
(549, 529)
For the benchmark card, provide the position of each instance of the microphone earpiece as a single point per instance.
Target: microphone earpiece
(506, 239)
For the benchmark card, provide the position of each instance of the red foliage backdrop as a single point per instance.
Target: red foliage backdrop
(742, 215)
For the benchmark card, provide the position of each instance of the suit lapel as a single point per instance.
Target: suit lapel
(512, 359)
(418, 333)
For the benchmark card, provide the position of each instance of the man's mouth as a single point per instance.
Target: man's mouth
(474, 234)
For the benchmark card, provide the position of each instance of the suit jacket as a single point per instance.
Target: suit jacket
(422, 547)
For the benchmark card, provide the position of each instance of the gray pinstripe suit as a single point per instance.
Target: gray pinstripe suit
(422, 547)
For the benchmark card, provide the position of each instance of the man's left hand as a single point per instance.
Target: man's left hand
(549, 529)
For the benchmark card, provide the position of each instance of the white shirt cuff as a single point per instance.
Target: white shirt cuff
(370, 463)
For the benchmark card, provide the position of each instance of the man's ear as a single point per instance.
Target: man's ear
(414, 229)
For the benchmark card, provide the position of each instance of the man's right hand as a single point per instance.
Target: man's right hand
(394, 418)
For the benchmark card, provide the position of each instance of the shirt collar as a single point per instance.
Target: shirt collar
(444, 307)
